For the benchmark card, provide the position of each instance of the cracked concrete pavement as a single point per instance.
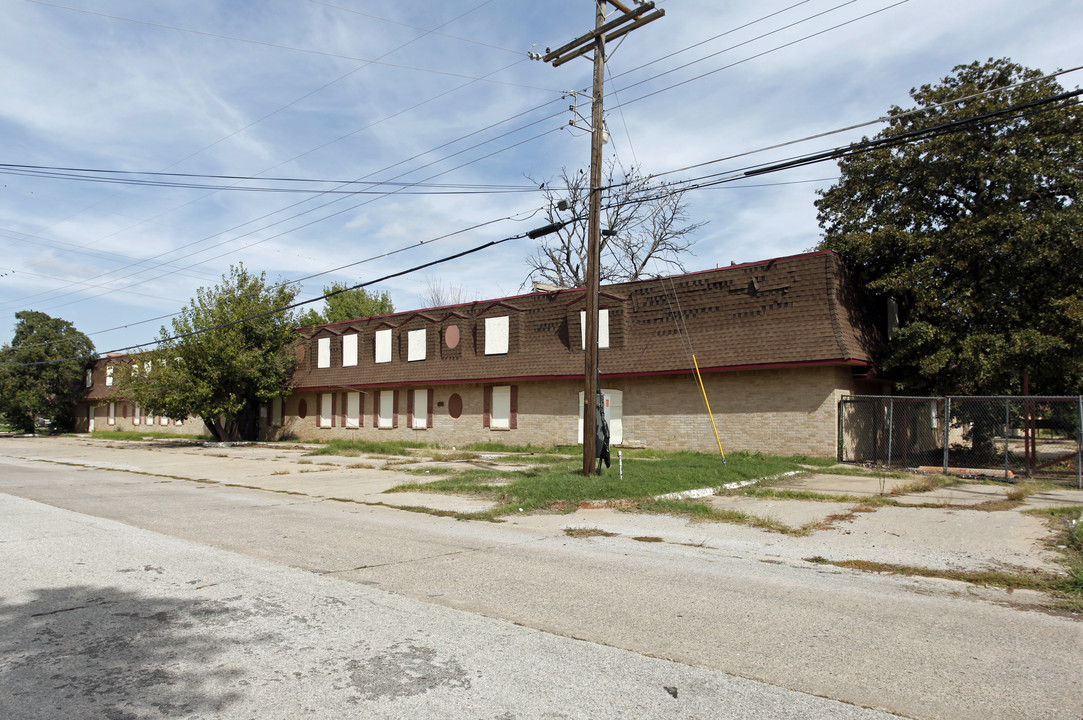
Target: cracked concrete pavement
(730, 601)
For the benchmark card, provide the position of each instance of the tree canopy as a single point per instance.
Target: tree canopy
(975, 231)
(346, 304)
(227, 353)
(644, 223)
(43, 372)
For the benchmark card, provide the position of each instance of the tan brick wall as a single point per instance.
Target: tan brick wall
(783, 412)
(191, 426)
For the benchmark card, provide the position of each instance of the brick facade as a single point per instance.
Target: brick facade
(778, 343)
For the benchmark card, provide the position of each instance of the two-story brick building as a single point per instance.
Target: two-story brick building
(778, 343)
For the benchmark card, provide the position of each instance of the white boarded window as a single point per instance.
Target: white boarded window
(135, 415)
(323, 352)
(349, 350)
(603, 328)
(353, 409)
(325, 410)
(421, 409)
(501, 412)
(90, 378)
(496, 335)
(108, 374)
(276, 412)
(163, 420)
(112, 413)
(383, 346)
(415, 345)
(386, 418)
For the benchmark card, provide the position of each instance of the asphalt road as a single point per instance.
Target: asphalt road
(126, 595)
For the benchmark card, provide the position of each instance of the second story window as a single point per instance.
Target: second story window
(323, 352)
(603, 328)
(349, 350)
(496, 335)
(383, 346)
(415, 342)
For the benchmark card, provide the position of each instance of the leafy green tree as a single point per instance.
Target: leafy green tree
(43, 372)
(976, 233)
(228, 352)
(346, 304)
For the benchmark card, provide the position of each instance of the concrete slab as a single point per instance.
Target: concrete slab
(793, 513)
(958, 495)
(839, 484)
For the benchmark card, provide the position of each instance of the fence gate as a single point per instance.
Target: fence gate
(1008, 436)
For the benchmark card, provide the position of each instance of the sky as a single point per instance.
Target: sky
(348, 140)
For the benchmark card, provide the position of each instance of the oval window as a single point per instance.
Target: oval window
(302, 409)
(455, 405)
(451, 336)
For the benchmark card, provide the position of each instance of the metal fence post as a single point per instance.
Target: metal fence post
(947, 431)
(890, 427)
(1079, 447)
(1007, 429)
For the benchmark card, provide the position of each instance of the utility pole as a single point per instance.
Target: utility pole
(595, 40)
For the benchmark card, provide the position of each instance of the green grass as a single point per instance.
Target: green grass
(703, 512)
(562, 486)
(136, 435)
(492, 447)
(354, 448)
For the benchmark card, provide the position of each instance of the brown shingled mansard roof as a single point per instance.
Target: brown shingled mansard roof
(789, 311)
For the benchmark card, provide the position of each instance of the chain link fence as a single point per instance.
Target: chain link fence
(1006, 437)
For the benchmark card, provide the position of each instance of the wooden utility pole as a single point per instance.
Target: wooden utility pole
(595, 40)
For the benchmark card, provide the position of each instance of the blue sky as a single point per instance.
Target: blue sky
(441, 98)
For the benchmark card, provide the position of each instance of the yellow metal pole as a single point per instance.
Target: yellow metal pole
(708, 402)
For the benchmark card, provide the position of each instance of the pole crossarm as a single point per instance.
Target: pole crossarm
(585, 43)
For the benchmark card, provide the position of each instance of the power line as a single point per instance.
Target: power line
(751, 57)
(877, 121)
(131, 177)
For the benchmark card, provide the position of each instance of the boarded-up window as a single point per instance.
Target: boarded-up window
(500, 408)
(108, 374)
(603, 328)
(349, 350)
(136, 415)
(415, 345)
(276, 412)
(421, 403)
(353, 409)
(112, 413)
(496, 335)
(323, 352)
(326, 409)
(386, 412)
(90, 378)
(383, 346)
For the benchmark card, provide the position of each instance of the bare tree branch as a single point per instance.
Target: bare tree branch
(650, 224)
